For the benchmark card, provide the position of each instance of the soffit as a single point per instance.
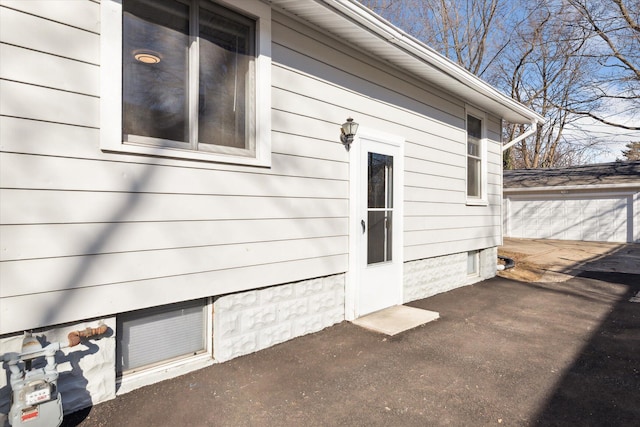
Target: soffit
(350, 22)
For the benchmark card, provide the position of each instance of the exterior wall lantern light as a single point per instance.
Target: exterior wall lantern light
(348, 129)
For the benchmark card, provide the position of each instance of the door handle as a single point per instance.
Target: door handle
(364, 226)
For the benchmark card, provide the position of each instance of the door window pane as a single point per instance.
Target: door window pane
(380, 208)
(155, 93)
(375, 237)
(380, 181)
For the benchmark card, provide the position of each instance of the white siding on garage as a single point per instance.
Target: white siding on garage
(594, 218)
(87, 233)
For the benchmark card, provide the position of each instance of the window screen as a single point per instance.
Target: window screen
(151, 336)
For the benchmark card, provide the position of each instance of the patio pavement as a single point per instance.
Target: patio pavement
(562, 258)
(502, 353)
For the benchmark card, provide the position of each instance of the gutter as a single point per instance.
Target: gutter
(531, 131)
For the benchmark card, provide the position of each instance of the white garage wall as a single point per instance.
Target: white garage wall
(591, 217)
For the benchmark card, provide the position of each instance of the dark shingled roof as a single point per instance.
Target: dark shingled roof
(598, 174)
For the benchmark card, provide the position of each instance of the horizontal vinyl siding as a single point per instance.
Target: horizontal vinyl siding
(32, 29)
(83, 15)
(438, 220)
(87, 233)
(62, 273)
(31, 63)
(58, 207)
(90, 302)
(78, 239)
(312, 53)
(345, 83)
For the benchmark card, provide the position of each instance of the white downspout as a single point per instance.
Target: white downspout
(531, 131)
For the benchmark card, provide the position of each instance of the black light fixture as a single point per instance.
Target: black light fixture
(348, 132)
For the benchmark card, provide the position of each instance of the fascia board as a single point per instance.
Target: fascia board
(615, 187)
(408, 53)
(420, 50)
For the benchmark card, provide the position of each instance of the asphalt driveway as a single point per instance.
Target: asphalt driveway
(503, 353)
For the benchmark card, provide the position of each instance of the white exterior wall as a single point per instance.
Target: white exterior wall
(250, 321)
(88, 234)
(437, 219)
(431, 276)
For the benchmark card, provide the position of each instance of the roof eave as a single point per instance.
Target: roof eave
(584, 187)
(406, 52)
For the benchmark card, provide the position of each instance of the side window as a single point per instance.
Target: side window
(191, 79)
(476, 153)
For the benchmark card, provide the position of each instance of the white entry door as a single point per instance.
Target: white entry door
(377, 223)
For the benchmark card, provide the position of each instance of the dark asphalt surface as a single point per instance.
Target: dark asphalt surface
(503, 353)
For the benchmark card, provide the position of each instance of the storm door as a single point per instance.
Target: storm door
(379, 216)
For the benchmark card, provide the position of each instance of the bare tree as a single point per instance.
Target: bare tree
(469, 32)
(546, 54)
(545, 70)
(612, 29)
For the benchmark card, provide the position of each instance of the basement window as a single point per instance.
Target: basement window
(159, 335)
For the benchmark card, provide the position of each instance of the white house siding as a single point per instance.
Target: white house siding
(88, 234)
(437, 219)
(427, 277)
(250, 321)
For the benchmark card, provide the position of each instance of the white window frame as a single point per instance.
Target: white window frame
(482, 116)
(130, 381)
(111, 135)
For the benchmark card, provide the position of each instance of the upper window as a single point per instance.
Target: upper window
(193, 80)
(475, 157)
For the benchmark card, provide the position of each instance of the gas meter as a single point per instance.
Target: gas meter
(35, 400)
